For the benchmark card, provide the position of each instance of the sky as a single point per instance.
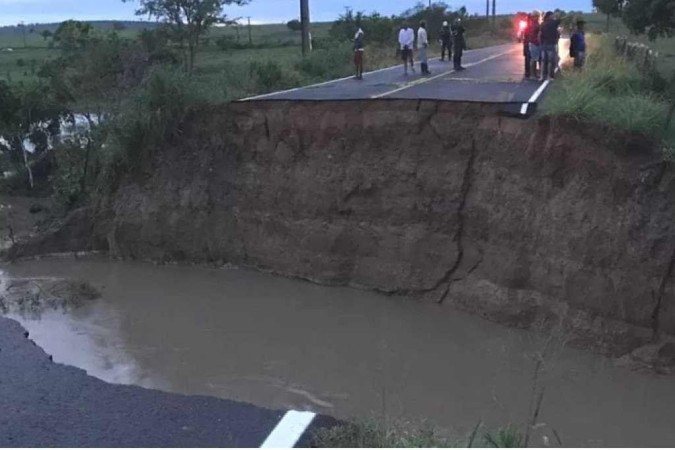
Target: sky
(260, 11)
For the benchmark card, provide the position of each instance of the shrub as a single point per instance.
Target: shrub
(508, 437)
(270, 76)
(150, 117)
(327, 63)
(66, 180)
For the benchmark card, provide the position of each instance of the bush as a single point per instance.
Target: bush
(67, 179)
(508, 437)
(327, 63)
(271, 76)
(227, 43)
(151, 116)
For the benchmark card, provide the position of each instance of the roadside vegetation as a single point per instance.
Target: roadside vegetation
(611, 91)
(629, 91)
(373, 434)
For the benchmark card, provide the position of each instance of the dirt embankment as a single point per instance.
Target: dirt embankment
(527, 223)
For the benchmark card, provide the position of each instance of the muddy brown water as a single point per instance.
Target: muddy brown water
(280, 343)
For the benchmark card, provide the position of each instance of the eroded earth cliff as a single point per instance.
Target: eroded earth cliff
(531, 223)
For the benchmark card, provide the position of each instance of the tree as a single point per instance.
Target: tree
(609, 8)
(653, 17)
(294, 25)
(29, 117)
(46, 34)
(188, 20)
(118, 26)
(72, 35)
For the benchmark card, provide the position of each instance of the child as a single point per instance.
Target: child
(358, 54)
(578, 45)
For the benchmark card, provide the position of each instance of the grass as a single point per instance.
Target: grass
(610, 91)
(596, 23)
(238, 72)
(373, 434)
(23, 64)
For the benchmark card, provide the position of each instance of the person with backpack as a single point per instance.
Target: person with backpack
(446, 41)
(458, 43)
(549, 37)
(406, 40)
(422, 45)
(578, 45)
(358, 54)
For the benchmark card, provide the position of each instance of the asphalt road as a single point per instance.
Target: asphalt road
(494, 74)
(44, 404)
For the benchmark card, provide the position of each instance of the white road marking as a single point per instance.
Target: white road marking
(562, 53)
(271, 94)
(535, 97)
(289, 430)
(435, 77)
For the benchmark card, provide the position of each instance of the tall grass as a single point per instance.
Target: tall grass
(610, 91)
(374, 434)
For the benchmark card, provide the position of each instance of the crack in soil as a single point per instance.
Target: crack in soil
(473, 268)
(659, 297)
(459, 235)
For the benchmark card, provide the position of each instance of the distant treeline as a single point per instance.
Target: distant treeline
(100, 24)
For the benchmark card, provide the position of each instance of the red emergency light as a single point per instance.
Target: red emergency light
(522, 25)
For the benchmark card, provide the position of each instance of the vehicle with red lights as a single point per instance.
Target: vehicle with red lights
(521, 23)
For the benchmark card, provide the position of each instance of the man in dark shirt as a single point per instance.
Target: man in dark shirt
(549, 37)
(533, 45)
(578, 45)
(446, 41)
(458, 43)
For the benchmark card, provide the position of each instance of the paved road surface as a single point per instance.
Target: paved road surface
(43, 404)
(494, 74)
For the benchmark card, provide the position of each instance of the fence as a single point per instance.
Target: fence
(644, 57)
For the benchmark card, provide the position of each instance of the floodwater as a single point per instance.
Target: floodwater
(281, 343)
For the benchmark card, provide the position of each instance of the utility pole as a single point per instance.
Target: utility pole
(23, 32)
(487, 9)
(250, 36)
(304, 18)
(494, 12)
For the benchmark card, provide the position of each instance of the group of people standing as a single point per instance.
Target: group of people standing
(452, 40)
(540, 45)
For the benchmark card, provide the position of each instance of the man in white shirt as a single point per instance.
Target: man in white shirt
(422, 45)
(406, 39)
